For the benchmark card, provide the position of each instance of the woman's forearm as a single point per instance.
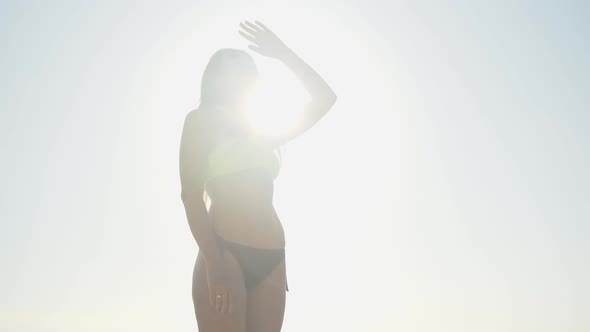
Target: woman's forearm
(267, 43)
(202, 229)
(315, 85)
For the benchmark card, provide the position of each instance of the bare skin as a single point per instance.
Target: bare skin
(222, 303)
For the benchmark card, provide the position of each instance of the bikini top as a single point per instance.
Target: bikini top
(236, 155)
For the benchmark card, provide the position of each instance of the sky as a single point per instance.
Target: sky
(447, 189)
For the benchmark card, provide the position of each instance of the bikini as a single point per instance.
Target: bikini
(246, 155)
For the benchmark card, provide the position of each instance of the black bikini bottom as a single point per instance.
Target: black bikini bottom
(255, 263)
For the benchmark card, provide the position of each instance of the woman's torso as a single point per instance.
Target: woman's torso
(240, 184)
(242, 210)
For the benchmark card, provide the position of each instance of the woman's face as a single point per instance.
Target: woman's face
(229, 79)
(245, 74)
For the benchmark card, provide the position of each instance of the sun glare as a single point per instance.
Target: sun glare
(276, 101)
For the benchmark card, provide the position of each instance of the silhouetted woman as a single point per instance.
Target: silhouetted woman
(239, 279)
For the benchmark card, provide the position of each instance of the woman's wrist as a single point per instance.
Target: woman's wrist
(213, 259)
(287, 56)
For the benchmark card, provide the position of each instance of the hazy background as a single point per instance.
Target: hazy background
(447, 190)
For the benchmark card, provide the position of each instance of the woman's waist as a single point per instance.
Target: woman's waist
(261, 229)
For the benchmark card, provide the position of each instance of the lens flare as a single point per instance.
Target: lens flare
(275, 102)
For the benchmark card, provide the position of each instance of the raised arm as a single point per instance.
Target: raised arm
(194, 148)
(322, 96)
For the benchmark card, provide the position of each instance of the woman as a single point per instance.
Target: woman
(239, 278)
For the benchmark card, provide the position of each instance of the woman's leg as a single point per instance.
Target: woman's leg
(208, 319)
(266, 302)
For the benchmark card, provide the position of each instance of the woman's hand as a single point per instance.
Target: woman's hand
(265, 41)
(219, 292)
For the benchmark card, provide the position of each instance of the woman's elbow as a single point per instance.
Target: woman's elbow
(330, 99)
(333, 98)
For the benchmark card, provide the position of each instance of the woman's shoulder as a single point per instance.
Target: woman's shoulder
(200, 117)
(195, 115)
(196, 126)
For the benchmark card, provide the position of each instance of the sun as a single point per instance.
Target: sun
(276, 101)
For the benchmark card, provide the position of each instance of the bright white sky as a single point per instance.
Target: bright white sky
(447, 190)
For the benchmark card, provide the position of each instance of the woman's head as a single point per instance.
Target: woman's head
(228, 77)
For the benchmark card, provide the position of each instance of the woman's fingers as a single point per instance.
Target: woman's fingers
(262, 26)
(212, 298)
(247, 36)
(230, 303)
(225, 304)
(248, 29)
(265, 42)
(253, 26)
(218, 301)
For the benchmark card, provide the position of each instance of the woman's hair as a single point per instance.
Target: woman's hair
(228, 77)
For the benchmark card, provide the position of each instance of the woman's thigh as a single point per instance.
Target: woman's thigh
(208, 319)
(266, 302)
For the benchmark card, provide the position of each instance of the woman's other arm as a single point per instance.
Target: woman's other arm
(322, 96)
(194, 148)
